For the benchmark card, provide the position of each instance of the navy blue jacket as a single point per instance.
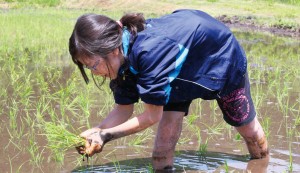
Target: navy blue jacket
(178, 57)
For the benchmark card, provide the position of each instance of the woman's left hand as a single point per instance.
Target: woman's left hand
(94, 142)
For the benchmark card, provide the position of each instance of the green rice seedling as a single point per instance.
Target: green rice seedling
(84, 102)
(117, 165)
(238, 137)
(53, 115)
(202, 150)
(282, 98)
(28, 119)
(290, 168)
(26, 91)
(178, 152)
(271, 85)
(60, 139)
(198, 108)
(19, 168)
(10, 164)
(58, 157)
(41, 107)
(141, 137)
(295, 108)
(290, 135)
(258, 96)
(266, 126)
(191, 119)
(297, 121)
(226, 167)
(139, 108)
(229, 131)
(19, 132)
(52, 76)
(33, 149)
(110, 154)
(216, 129)
(68, 104)
(214, 107)
(66, 97)
(13, 112)
(193, 130)
(79, 160)
(198, 133)
(2, 108)
(108, 102)
(3, 98)
(150, 168)
(14, 141)
(183, 140)
(42, 83)
(14, 76)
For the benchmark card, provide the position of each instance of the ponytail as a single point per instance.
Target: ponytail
(135, 22)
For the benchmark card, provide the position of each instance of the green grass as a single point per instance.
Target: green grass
(280, 13)
(47, 3)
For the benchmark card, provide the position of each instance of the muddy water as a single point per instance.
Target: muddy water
(273, 69)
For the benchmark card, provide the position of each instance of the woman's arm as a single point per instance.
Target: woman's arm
(96, 140)
(150, 116)
(118, 115)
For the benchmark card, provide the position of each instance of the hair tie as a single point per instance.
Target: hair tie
(120, 24)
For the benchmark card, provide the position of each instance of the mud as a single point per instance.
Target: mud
(249, 24)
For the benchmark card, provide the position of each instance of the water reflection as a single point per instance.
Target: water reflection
(187, 161)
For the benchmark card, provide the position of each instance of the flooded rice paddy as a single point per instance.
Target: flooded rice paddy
(39, 84)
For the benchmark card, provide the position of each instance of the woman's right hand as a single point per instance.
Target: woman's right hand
(94, 142)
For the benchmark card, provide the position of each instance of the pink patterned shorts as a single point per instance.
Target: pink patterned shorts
(237, 106)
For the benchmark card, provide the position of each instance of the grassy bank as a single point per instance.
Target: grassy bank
(266, 13)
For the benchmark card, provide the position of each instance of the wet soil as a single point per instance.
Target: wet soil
(249, 24)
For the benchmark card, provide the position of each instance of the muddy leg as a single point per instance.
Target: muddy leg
(255, 139)
(168, 133)
(258, 165)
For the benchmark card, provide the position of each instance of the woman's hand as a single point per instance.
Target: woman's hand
(94, 142)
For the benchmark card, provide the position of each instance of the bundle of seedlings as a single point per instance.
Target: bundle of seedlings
(60, 139)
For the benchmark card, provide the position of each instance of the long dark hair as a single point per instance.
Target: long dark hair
(99, 35)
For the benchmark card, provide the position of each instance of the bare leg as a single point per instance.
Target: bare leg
(255, 139)
(168, 133)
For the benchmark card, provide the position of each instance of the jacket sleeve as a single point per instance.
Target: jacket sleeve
(156, 62)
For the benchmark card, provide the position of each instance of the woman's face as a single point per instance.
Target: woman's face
(105, 67)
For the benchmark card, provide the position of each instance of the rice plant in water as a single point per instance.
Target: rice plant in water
(141, 137)
(60, 139)
(290, 159)
(226, 166)
(238, 137)
(34, 151)
(203, 148)
(191, 119)
(266, 126)
(290, 135)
